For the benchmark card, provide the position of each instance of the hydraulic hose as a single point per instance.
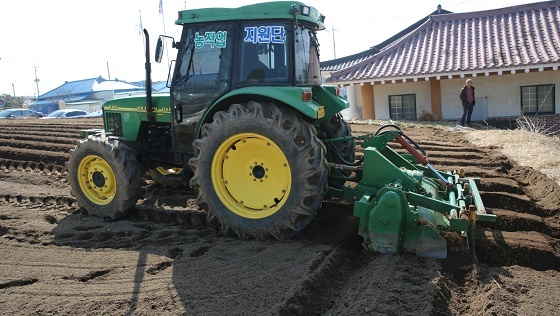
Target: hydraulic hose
(421, 158)
(344, 161)
(403, 135)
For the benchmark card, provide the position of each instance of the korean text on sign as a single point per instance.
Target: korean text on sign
(265, 34)
(214, 39)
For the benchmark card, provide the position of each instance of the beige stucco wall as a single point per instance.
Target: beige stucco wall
(382, 92)
(496, 96)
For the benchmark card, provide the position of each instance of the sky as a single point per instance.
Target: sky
(67, 40)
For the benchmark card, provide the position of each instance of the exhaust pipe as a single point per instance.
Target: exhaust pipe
(149, 115)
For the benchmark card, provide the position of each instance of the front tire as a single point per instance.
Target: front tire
(259, 170)
(104, 176)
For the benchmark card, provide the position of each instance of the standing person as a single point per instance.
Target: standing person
(468, 100)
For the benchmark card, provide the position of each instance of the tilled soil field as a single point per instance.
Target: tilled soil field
(164, 259)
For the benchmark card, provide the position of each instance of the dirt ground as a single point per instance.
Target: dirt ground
(164, 259)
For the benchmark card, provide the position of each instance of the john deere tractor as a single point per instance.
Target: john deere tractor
(249, 125)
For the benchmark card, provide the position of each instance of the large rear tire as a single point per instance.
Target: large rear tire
(259, 170)
(105, 176)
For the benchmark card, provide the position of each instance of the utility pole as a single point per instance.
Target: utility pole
(108, 73)
(36, 79)
(13, 88)
(333, 42)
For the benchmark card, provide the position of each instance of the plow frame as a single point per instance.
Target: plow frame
(405, 204)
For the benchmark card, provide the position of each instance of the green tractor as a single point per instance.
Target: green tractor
(249, 125)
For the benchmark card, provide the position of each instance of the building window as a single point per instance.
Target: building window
(403, 107)
(537, 99)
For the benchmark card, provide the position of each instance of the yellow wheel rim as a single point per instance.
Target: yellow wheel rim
(97, 180)
(168, 171)
(251, 175)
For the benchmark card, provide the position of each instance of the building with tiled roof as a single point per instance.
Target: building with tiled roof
(512, 54)
(348, 61)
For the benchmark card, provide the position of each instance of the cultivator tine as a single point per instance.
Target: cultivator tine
(472, 216)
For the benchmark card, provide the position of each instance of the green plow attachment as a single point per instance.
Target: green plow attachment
(404, 204)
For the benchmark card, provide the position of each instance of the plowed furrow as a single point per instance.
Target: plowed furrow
(41, 135)
(43, 132)
(38, 137)
(37, 201)
(514, 202)
(501, 184)
(451, 148)
(515, 221)
(531, 249)
(56, 124)
(32, 155)
(447, 163)
(50, 146)
(450, 155)
(7, 164)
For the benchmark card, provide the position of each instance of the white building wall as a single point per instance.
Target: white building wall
(381, 93)
(351, 97)
(496, 96)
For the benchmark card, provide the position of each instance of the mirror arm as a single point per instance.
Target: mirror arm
(173, 43)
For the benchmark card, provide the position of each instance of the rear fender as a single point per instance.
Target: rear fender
(290, 96)
(325, 96)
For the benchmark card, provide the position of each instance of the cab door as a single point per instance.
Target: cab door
(202, 75)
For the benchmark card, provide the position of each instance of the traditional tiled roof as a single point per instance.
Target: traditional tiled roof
(521, 37)
(348, 61)
(345, 62)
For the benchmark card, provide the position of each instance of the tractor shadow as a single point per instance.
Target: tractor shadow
(215, 274)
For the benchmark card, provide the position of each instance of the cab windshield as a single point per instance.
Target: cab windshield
(203, 66)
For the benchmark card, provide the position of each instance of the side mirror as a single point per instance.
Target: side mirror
(159, 50)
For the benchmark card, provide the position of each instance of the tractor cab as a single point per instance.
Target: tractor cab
(256, 52)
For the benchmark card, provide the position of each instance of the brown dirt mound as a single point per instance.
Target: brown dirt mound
(163, 259)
